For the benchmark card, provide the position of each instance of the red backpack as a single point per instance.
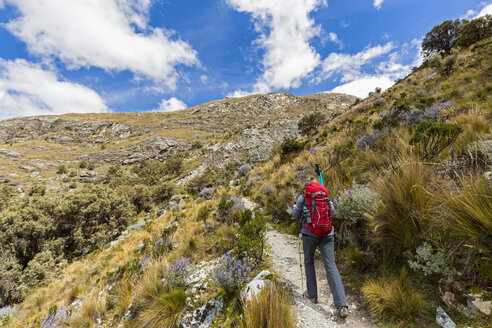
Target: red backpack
(318, 207)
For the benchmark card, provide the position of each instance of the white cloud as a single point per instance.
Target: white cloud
(359, 83)
(110, 34)
(349, 66)
(378, 4)
(27, 89)
(285, 31)
(469, 14)
(487, 10)
(171, 105)
(362, 86)
(334, 38)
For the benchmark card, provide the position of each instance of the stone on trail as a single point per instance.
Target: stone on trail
(254, 287)
(443, 319)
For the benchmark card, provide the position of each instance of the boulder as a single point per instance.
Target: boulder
(454, 295)
(87, 177)
(443, 319)
(206, 193)
(244, 169)
(255, 286)
(9, 153)
(379, 102)
(203, 316)
(363, 108)
(28, 168)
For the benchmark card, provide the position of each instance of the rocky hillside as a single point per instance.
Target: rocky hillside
(244, 129)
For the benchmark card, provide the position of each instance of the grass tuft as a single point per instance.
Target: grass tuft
(391, 299)
(269, 309)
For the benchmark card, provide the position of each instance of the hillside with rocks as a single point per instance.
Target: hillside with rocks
(223, 131)
(184, 219)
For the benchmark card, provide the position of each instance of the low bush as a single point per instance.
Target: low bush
(163, 192)
(432, 138)
(288, 149)
(429, 261)
(231, 273)
(178, 272)
(6, 314)
(251, 236)
(351, 206)
(310, 123)
(393, 300)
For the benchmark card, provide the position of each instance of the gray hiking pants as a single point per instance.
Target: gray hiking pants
(326, 246)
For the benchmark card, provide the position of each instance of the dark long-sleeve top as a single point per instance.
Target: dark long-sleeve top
(297, 213)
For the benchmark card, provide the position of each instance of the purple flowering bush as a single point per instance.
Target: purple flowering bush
(352, 203)
(369, 141)
(178, 272)
(6, 313)
(55, 318)
(231, 273)
(230, 208)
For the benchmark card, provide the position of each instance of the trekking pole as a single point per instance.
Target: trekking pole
(300, 259)
(317, 168)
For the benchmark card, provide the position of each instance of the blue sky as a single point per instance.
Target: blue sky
(59, 56)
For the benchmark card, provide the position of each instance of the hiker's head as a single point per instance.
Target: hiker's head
(308, 180)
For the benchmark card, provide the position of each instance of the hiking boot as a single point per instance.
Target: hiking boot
(343, 312)
(312, 299)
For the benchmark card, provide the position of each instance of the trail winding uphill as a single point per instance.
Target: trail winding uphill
(285, 257)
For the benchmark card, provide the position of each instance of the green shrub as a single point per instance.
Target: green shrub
(251, 236)
(139, 195)
(83, 164)
(309, 124)
(351, 206)
(39, 190)
(39, 270)
(432, 138)
(474, 31)
(276, 209)
(10, 272)
(90, 217)
(288, 149)
(174, 166)
(203, 214)
(429, 261)
(163, 192)
(150, 172)
(62, 169)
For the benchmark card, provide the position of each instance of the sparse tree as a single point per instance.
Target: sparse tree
(439, 40)
(474, 31)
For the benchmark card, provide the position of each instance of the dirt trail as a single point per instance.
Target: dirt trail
(285, 258)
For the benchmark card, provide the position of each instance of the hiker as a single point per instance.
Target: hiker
(314, 236)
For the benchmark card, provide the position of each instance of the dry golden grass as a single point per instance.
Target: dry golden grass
(392, 299)
(269, 309)
(92, 309)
